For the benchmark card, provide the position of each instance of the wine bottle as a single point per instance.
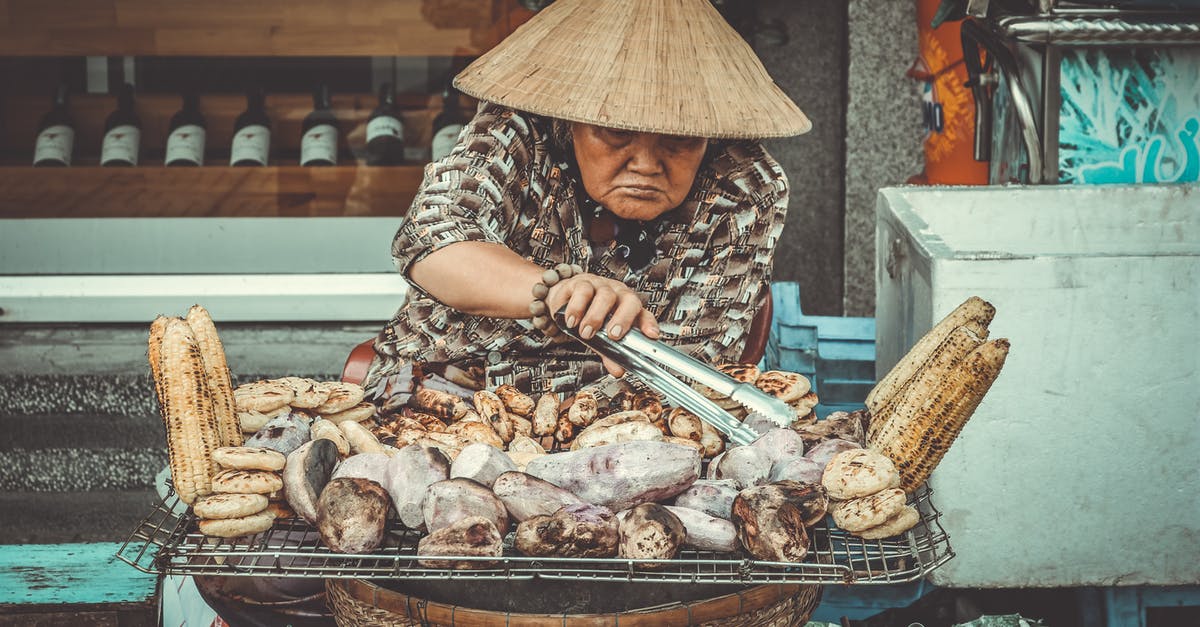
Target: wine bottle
(447, 125)
(319, 144)
(185, 143)
(122, 132)
(251, 143)
(385, 132)
(56, 133)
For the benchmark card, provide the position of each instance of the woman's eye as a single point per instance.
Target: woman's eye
(675, 142)
(617, 136)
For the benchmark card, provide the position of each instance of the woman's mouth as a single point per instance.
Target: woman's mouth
(641, 192)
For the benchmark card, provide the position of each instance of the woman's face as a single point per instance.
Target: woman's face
(638, 176)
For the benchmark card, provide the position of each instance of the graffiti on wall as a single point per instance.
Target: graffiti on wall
(1130, 116)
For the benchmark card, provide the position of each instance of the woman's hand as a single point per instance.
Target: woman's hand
(595, 303)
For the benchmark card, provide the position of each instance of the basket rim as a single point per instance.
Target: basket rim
(716, 608)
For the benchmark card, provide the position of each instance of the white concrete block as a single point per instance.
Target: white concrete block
(1081, 467)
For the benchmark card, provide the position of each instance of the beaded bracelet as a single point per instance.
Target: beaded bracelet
(543, 319)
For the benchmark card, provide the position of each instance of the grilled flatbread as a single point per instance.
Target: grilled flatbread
(246, 482)
(309, 393)
(238, 527)
(859, 472)
(745, 373)
(342, 396)
(221, 506)
(786, 386)
(249, 458)
(896, 525)
(262, 396)
(868, 511)
(357, 413)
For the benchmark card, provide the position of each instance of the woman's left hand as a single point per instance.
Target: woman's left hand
(594, 302)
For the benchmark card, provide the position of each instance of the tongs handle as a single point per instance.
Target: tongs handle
(745, 394)
(675, 390)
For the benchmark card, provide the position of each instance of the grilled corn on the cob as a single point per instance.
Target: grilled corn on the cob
(916, 440)
(154, 355)
(216, 371)
(891, 419)
(974, 312)
(188, 412)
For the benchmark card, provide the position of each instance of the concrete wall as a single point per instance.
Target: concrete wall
(844, 64)
(883, 131)
(810, 67)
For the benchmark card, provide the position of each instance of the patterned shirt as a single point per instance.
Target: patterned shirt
(505, 183)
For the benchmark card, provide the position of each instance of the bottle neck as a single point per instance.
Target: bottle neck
(321, 97)
(255, 101)
(125, 98)
(62, 96)
(191, 102)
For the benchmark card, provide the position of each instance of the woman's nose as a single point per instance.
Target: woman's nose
(646, 157)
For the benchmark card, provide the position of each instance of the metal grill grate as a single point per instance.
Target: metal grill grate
(167, 542)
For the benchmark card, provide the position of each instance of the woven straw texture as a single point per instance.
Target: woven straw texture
(659, 66)
(358, 603)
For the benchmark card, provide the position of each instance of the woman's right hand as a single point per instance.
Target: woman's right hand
(594, 302)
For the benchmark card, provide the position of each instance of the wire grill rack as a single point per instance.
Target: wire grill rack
(168, 542)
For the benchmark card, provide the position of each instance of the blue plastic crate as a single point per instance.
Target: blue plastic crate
(837, 354)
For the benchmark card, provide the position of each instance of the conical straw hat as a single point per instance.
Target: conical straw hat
(659, 66)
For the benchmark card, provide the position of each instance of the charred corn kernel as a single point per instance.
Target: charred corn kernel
(216, 371)
(190, 423)
(891, 419)
(918, 445)
(154, 355)
(974, 310)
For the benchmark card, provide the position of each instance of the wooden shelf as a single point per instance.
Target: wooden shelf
(255, 27)
(209, 191)
(227, 28)
(21, 116)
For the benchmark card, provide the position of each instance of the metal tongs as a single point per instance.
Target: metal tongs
(638, 354)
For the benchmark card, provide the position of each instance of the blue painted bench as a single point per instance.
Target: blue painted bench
(1133, 606)
(73, 584)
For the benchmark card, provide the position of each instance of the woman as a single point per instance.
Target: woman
(617, 137)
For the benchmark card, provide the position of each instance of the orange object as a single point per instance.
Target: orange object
(949, 109)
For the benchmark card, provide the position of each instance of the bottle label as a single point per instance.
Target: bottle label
(319, 144)
(54, 143)
(385, 126)
(121, 144)
(186, 143)
(252, 143)
(444, 140)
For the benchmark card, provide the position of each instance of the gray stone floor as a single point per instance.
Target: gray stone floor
(58, 517)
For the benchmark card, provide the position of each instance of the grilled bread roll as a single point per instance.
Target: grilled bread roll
(859, 472)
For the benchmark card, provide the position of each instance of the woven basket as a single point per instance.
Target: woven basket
(357, 602)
